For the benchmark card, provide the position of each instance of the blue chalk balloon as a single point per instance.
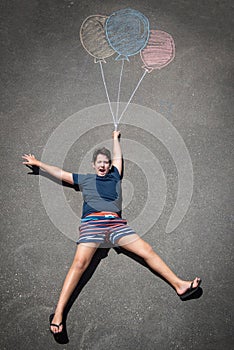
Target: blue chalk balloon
(127, 32)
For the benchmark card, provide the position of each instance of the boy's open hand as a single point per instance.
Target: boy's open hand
(116, 134)
(30, 160)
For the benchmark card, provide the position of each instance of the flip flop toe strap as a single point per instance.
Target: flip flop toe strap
(191, 286)
(55, 325)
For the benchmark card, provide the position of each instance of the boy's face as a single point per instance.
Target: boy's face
(101, 165)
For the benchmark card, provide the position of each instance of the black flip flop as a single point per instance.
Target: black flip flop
(60, 337)
(191, 290)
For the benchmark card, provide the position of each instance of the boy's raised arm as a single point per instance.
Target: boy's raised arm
(117, 152)
(50, 169)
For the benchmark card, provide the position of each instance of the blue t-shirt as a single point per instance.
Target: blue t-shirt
(100, 193)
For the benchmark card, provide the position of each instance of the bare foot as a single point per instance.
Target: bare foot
(185, 285)
(57, 326)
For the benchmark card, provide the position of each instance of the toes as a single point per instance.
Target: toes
(54, 329)
(56, 325)
(196, 282)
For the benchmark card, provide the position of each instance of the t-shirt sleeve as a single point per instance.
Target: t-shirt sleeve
(115, 172)
(78, 179)
(75, 179)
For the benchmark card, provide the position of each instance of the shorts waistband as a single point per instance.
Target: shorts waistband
(103, 213)
(100, 216)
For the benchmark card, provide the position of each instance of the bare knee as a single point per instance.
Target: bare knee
(139, 247)
(147, 251)
(80, 264)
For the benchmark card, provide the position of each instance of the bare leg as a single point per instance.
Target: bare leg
(83, 256)
(138, 246)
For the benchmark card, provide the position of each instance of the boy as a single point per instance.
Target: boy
(101, 221)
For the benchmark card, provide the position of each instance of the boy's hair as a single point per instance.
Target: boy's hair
(104, 151)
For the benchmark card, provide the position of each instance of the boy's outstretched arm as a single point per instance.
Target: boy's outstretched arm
(117, 152)
(50, 169)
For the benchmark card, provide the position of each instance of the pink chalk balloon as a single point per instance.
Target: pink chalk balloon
(159, 51)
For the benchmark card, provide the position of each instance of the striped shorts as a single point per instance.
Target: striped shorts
(104, 230)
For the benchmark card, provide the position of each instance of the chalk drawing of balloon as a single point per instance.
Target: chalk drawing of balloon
(127, 32)
(159, 51)
(93, 38)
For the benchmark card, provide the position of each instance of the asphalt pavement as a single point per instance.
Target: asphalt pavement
(177, 138)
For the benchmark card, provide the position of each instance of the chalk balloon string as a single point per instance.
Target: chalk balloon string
(120, 80)
(129, 101)
(116, 120)
(107, 95)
